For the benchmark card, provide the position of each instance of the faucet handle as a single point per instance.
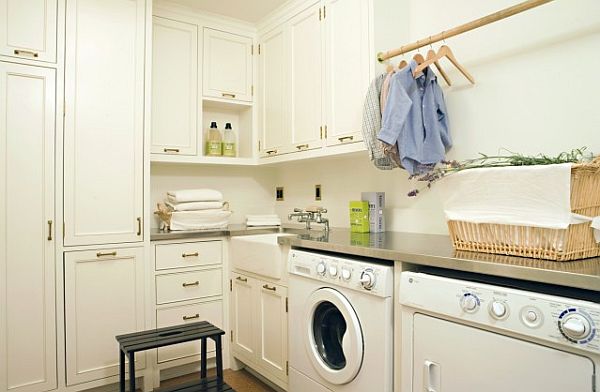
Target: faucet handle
(316, 209)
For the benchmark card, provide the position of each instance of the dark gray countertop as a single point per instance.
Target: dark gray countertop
(437, 251)
(420, 249)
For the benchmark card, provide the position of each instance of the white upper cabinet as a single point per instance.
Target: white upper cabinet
(347, 68)
(305, 75)
(28, 29)
(27, 229)
(227, 66)
(275, 132)
(104, 118)
(174, 87)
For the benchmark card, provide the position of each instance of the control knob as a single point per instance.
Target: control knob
(333, 271)
(575, 326)
(469, 302)
(498, 309)
(321, 268)
(367, 279)
(346, 274)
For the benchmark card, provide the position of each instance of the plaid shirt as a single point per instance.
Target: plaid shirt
(371, 125)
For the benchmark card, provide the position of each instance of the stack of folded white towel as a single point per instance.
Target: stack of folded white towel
(197, 209)
(263, 220)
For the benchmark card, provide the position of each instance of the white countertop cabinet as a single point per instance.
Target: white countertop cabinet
(174, 87)
(27, 229)
(28, 29)
(104, 119)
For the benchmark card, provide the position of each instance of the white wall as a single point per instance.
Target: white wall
(537, 91)
(249, 190)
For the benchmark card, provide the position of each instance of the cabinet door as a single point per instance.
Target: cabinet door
(28, 29)
(227, 65)
(272, 318)
(104, 297)
(104, 100)
(276, 135)
(347, 59)
(211, 311)
(27, 294)
(174, 87)
(306, 79)
(243, 303)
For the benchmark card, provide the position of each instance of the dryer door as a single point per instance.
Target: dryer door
(334, 339)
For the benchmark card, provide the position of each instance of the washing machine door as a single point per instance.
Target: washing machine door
(334, 339)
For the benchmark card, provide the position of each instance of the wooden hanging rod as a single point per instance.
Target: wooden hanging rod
(491, 18)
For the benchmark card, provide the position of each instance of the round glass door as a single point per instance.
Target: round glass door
(335, 342)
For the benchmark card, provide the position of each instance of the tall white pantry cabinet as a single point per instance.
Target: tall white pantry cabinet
(103, 183)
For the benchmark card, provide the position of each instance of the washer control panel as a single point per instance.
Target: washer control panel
(367, 277)
(555, 319)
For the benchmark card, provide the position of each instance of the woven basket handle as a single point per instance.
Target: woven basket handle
(595, 161)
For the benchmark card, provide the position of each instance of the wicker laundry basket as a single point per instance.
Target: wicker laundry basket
(575, 242)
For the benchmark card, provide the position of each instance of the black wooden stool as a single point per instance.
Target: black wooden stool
(131, 343)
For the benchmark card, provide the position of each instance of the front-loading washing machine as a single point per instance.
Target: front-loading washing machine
(340, 324)
(471, 333)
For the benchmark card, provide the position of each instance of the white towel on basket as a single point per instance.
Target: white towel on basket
(192, 195)
(199, 220)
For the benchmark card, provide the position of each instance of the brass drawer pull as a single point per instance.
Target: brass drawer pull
(345, 139)
(139, 223)
(226, 95)
(49, 230)
(270, 152)
(185, 318)
(242, 279)
(21, 52)
(104, 254)
(267, 287)
(170, 149)
(302, 146)
(196, 283)
(195, 254)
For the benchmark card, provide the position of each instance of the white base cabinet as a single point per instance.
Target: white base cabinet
(259, 326)
(189, 288)
(27, 246)
(104, 297)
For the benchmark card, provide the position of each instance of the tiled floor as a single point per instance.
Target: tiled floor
(241, 381)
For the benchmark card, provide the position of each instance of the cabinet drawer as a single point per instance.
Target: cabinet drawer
(188, 255)
(188, 285)
(211, 311)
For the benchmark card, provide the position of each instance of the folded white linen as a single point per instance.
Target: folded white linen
(596, 226)
(262, 217)
(189, 195)
(537, 196)
(197, 220)
(195, 205)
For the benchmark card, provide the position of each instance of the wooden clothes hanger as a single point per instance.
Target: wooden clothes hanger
(431, 56)
(418, 57)
(445, 51)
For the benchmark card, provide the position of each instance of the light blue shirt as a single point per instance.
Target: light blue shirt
(415, 118)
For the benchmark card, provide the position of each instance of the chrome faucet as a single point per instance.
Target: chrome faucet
(309, 215)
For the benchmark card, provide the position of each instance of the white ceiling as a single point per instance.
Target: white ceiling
(249, 10)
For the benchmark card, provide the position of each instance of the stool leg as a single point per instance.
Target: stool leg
(131, 371)
(219, 358)
(121, 371)
(203, 358)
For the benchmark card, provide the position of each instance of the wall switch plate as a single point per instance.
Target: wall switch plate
(279, 193)
(318, 192)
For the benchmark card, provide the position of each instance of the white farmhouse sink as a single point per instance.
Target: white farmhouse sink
(260, 254)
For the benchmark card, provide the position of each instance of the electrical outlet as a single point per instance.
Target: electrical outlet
(318, 192)
(279, 193)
